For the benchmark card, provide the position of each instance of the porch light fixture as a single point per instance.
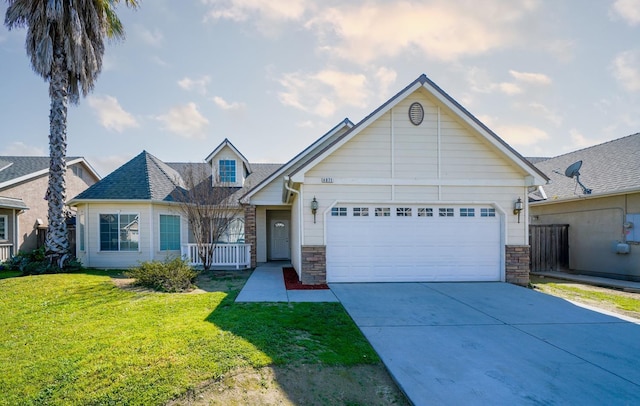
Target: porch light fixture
(314, 208)
(517, 208)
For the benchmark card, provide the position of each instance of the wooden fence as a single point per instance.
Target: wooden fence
(549, 247)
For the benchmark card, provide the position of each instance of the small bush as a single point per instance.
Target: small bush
(171, 275)
(36, 263)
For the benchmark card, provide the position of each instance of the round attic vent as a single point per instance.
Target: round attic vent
(416, 113)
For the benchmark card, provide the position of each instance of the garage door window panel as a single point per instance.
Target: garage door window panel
(383, 211)
(360, 212)
(445, 212)
(339, 211)
(403, 211)
(487, 212)
(425, 212)
(467, 212)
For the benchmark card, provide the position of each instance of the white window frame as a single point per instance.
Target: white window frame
(382, 212)
(235, 170)
(487, 212)
(160, 231)
(404, 212)
(360, 212)
(467, 212)
(425, 212)
(338, 211)
(81, 231)
(5, 232)
(446, 212)
(119, 214)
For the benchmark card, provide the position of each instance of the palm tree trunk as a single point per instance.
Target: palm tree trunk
(57, 241)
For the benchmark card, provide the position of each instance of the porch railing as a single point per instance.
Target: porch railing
(6, 250)
(237, 255)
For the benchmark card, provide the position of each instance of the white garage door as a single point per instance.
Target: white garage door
(385, 243)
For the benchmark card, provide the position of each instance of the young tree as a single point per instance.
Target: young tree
(208, 205)
(65, 41)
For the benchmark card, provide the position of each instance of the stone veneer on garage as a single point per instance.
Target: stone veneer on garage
(517, 259)
(314, 264)
(250, 232)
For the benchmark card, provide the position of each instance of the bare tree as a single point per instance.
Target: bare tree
(209, 207)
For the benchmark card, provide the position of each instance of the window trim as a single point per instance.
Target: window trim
(160, 231)
(223, 179)
(5, 237)
(81, 230)
(118, 214)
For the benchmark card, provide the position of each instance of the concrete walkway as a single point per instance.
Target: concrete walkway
(495, 344)
(628, 286)
(266, 284)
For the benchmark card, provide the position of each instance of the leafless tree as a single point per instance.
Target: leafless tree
(208, 205)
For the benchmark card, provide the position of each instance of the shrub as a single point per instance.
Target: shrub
(170, 275)
(35, 263)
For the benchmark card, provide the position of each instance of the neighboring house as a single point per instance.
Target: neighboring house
(23, 208)
(604, 226)
(419, 190)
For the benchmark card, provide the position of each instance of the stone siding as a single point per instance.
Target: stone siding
(314, 264)
(250, 236)
(517, 259)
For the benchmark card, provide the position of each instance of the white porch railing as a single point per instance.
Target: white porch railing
(5, 251)
(238, 255)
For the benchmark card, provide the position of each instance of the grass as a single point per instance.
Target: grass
(79, 339)
(610, 297)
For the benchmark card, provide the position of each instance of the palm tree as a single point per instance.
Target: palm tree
(65, 41)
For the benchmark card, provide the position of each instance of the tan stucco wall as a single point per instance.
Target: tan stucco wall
(595, 224)
(32, 192)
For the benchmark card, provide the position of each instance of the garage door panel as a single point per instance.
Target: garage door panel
(412, 248)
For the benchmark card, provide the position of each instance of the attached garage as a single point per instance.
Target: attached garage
(418, 242)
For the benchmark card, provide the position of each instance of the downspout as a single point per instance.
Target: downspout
(287, 179)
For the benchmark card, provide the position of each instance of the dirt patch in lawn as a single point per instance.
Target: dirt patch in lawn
(206, 281)
(608, 299)
(299, 385)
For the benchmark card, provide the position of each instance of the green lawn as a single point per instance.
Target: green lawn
(79, 339)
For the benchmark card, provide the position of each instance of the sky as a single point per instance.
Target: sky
(547, 76)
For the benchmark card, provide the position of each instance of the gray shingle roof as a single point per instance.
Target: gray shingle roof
(606, 168)
(19, 166)
(144, 177)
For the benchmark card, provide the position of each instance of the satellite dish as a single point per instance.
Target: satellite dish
(573, 171)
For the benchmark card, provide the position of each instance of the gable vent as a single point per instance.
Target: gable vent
(416, 113)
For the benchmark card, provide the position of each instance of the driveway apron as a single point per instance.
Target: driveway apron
(495, 343)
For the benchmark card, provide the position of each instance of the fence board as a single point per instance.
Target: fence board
(549, 247)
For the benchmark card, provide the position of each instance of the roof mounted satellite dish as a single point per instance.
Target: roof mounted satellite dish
(573, 171)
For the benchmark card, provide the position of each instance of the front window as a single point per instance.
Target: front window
(81, 230)
(3, 227)
(169, 232)
(119, 232)
(234, 234)
(227, 168)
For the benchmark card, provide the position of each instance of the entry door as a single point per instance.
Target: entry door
(280, 239)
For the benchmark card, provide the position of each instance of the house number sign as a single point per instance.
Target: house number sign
(326, 180)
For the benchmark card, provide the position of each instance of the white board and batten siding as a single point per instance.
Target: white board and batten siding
(393, 162)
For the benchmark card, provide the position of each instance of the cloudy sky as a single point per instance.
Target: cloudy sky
(272, 76)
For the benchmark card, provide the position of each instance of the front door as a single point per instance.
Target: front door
(280, 239)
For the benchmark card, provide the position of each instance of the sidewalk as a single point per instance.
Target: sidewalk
(627, 286)
(266, 284)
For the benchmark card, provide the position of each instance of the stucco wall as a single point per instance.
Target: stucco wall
(32, 192)
(595, 224)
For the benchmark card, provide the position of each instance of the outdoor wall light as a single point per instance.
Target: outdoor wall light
(314, 208)
(517, 208)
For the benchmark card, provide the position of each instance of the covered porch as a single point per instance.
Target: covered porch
(10, 209)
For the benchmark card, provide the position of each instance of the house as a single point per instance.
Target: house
(603, 214)
(23, 209)
(419, 190)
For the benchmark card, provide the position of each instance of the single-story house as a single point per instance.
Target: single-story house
(23, 209)
(419, 190)
(603, 213)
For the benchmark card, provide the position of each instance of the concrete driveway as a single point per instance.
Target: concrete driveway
(495, 343)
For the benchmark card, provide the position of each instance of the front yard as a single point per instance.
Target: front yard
(83, 339)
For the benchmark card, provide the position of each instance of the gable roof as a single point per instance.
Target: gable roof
(227, 143)
(423, 82)
(301, 159)
(608, 168)
(16, 169)
(144, 177)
